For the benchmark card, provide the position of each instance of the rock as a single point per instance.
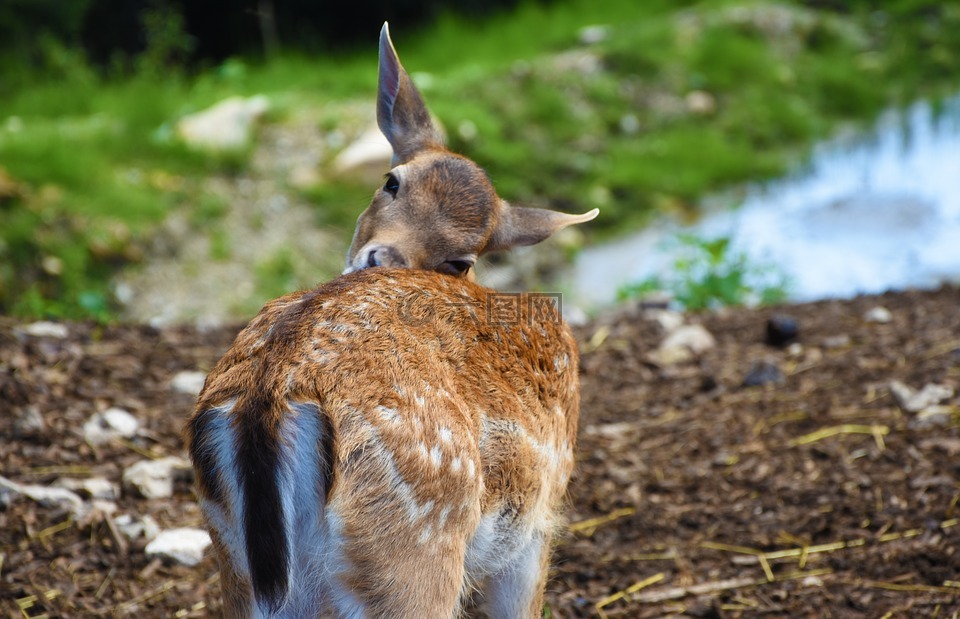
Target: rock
(28, 422)
(682, 344)
(668, 320)
(912, 401)
(763, 373)
(782, 330)
(700, 102)
(47, 496)
(184, 546)
(46, 329)
(836, 341)
(131, 528)
(226, 126)
(109, 425)
(935, 416)
(92, 487)
(878, 314)
(593, 34)
(154, 479)
(188, 382)
(366, 159)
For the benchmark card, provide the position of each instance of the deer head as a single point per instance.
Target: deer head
(437, 210)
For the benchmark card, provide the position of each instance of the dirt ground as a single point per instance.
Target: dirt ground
(696, 495)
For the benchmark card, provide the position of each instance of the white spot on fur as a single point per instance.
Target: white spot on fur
(388, 414)
(446, 435)
(471, 469)
(436, 456)
(456, 464)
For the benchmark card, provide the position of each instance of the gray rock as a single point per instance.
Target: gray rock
(878, 314)
(226, 126)
(46, 329)
(109, 425)
(763, 373)
(593, 34)
(132, 528)
(683, 344)
(154, 479)
(92, 487)
(912, 401)
(28, 422)
(184, 546)
(367, 158)
(188, 382)
(935, 416)
(47, 496)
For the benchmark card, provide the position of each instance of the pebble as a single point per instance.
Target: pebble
(935, 416)
(782, 330)
(92, 487)
(763, 373)
(226, 126)
(188, 382)
(154, 479)
(878, 314)
(28, 422)
(132, 528)
(108, 425)
(184, 546)
(912, 401)
(47, 496)
(46, 329)
(682, 344)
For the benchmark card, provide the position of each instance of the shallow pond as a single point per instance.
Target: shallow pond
(870, 212)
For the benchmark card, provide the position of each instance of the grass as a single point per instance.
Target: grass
(678, 100)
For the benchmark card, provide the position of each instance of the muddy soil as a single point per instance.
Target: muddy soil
(697, 494)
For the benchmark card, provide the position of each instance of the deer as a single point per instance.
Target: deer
(396, 442)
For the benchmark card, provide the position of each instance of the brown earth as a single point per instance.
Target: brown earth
(688, 486)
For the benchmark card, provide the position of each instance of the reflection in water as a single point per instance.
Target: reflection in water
(869, 213)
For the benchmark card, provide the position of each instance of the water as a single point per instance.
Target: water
(870, 213)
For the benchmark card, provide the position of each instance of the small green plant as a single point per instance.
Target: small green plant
(708, 274)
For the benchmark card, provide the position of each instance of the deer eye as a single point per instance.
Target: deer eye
(455, 267)
(392, 186)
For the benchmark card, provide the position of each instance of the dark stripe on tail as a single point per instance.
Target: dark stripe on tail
(204, 454)
(266, 540)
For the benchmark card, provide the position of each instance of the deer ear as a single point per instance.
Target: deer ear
(528, 226)
(401, 113)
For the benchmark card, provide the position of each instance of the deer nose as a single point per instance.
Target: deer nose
(384, 256)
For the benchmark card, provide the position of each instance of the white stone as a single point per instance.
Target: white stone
(879, 314)
(153, 479)
(47, 496)
(682, 344)
(94, 487)
(46, 329)
(226, 126)
(133, 528)
(913, 401)
(668, 320)
(367, 157)
(593, 34)
(109, 425)
(188, 382)
(184, 546)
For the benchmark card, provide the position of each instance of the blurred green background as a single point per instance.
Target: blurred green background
(639, 108)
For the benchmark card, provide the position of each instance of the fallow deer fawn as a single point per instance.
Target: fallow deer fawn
(385, 445)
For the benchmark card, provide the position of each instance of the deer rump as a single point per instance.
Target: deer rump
(384, 433)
